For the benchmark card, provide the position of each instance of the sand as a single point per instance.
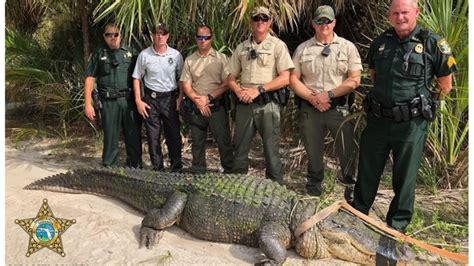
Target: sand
(106, 231)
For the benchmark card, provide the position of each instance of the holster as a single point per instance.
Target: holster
(263, 98)
(281, 96)
(297, 101)
(426, 108)
(97, 103)
(216, 104)
(188, 106)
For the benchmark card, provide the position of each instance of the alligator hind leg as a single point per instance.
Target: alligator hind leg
(273, 240)
(158, 219)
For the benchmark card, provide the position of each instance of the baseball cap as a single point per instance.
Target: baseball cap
(260, 10)
(324, 12)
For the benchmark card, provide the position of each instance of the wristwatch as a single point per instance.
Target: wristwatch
(261, 89)
(330, 94)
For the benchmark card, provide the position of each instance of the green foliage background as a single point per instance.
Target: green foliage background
(47, 43)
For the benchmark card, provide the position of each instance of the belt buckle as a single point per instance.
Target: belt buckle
(153, 94)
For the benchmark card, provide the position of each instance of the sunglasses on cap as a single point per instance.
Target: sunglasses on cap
(324, 21)
(263, 18)
(203, 37)
(111, 34)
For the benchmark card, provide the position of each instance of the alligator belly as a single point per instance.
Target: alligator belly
(215, 219)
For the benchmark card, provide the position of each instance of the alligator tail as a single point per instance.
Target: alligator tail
(116, 183)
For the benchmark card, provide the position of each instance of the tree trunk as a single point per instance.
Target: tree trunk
(85, 29)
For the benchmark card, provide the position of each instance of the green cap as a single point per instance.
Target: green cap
(324, 12)
(260, 10)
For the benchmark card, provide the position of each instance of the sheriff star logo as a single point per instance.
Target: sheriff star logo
(45, 230)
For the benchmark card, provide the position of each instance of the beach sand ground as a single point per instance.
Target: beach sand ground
(106, 231)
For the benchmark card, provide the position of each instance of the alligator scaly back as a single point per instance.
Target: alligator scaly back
(223, 208)
(146, 190)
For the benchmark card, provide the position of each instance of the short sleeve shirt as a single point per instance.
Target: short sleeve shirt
(111, 68)
(160, 72)
(324, 73)
(400, 65)
(205, 73)
(272, 58)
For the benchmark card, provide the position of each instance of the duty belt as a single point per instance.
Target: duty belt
(190, 107)
(335, 102)
(113, 93)
(155, 94)
(279, 96)
(398, 112)
(338, 101)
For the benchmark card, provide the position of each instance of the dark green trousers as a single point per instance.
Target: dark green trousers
(218, 123)
(265, 119)
(313, 130)
(406, 141)
(120, 115)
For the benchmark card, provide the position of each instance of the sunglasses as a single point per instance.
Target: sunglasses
(161, 33)
(260, 18)
(111, 34)
(203, 37)
(324, 21)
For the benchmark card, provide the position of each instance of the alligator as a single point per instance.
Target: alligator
(229, 208)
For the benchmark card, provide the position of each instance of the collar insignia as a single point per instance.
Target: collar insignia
(381, 48)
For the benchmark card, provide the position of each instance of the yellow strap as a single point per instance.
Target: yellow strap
(442, 252)
(317, 217)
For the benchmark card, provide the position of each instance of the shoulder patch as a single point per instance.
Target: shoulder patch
(444, 46)
(451, 61)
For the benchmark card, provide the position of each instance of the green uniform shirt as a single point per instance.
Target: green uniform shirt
(400, 65)
(112, 68)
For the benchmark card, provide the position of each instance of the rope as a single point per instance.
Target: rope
(381, 226)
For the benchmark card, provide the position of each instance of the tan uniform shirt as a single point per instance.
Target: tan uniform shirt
(273, 57)
(320, 73)
(204, 72)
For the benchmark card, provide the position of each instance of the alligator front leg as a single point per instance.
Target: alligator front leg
(273, 240)
(158, 219)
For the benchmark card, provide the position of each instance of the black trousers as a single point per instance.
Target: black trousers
(163, 114)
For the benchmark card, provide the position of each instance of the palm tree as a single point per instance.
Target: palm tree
(228, 17)
(446, 163)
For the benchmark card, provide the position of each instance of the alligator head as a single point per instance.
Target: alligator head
(344, 236)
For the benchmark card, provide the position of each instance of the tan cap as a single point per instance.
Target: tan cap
(260, 10)
(324, 12)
